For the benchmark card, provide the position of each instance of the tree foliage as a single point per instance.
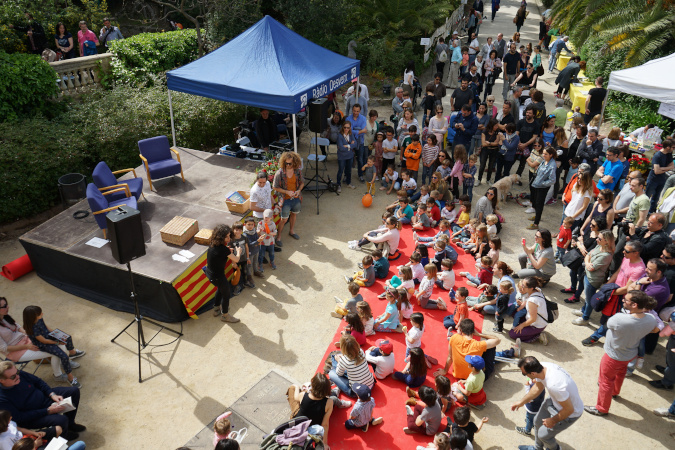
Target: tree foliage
(26, 84)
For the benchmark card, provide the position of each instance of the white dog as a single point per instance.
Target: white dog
(504, 185)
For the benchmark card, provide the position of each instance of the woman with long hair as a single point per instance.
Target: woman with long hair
(486, 205)
(561, 144)
(585, 244)
(216, 258)
(439, 184)
(491, 140)
(603, 207)
(415, 372)
(64, 41)
(350, 366)
(539, 259)
(596, 263)
(288, 181)
(544, 179)
(582, 193)
(532, 328)
(409, 77)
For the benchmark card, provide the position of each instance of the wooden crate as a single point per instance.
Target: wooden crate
(179, 230)
(240, 208)
(204, 236)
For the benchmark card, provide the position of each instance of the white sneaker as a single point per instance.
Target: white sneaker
(663, 412)
(408, 410)
(543, 339)
(580, 321)
(640, 363)
(526, 203)
(75, 365)
(530, 210)
(577, 312)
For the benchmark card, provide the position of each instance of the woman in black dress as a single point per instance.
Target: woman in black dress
(216, 259)
(64, 41)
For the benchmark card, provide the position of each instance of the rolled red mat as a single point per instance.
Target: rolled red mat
(17, 268)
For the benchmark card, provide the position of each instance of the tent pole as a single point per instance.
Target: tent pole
(604, 104)
(295, 140)
(173, 128)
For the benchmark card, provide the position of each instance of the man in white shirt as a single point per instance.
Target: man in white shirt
(640, 132)
(559, 411)
(474, 48)
(363, 89)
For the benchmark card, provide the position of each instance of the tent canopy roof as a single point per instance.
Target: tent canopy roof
(267, 66)
(653, 80)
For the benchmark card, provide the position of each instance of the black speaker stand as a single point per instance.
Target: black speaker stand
(138, 318)
(320, 185)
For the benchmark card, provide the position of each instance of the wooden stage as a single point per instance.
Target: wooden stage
(168, 290)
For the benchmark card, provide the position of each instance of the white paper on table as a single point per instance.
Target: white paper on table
(583, 92)
(186, 253)
(179, 258)
(97, 242)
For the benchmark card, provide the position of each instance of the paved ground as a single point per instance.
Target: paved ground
(285, 325)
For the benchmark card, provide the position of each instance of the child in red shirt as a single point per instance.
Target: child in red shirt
(563, 239)
(484, 276)
(433, 211)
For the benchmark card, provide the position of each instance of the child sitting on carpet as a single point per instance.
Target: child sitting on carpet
(443, 251)
(389, 320)
(443, 390)
(404, 213)
(438, 197)
(450, 212)
(415, 264)
(441, 442)
(424, 194)
(222, 428)
(473, 384)
(433, 211)
(426, 289)
(446, 278)
(415, 372)
(463, 220)
(424, 252)
(443, 229)
(462, 421)
(366, 315)
(424, 419)
(461, 312)
(495, 245)
(399, 195)
(478, 238)
(365, 277)
(343, 308)
(381, 358)
(405, 308)
(404, 280)
(380, 264)
(413, 338)
(484, 276)
(355, 328)
(361, 415)
(420, 220)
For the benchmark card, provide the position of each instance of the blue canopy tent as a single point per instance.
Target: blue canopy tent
(267, 66)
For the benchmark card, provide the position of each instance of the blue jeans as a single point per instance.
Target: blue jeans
(410, 192)
(519, 316)
(529, 421)
(474, 280)
(345, 166)
(653, 191)
(342, 382)
(397, 185)
(408, 379)
(552, 61)
(468, 190)
(427, 172)
(361, 159)
(600, 332)
(490, 309)
(672, 408)
(589, 292)
(269, 249)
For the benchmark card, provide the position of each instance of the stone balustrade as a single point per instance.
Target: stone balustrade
(75, 76)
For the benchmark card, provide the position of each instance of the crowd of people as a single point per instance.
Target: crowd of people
(65, 44)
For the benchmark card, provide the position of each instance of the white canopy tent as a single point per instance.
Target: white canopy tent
(652, 80)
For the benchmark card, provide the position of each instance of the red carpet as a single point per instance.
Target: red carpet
(389, 394)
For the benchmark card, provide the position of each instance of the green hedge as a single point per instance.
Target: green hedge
(26, 83)
(35, 152)
(630, 112)
(138, 58)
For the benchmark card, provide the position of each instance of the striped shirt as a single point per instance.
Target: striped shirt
(429, 153)
(355, 373)
(362, 412)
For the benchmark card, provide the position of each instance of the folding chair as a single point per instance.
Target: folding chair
(313, 159)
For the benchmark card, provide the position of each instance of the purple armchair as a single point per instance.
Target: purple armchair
(105, 180)
(156, 156)
(100, 205)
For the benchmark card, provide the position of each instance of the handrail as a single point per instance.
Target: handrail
(75, 76)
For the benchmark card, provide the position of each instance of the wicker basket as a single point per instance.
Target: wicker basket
(204, 236)
(179, 230)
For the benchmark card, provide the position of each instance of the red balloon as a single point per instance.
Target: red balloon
(367, 200)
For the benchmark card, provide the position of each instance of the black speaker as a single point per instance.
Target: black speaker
(318, 115)
(125, 232)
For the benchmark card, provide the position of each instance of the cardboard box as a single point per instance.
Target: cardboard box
(239, 208)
